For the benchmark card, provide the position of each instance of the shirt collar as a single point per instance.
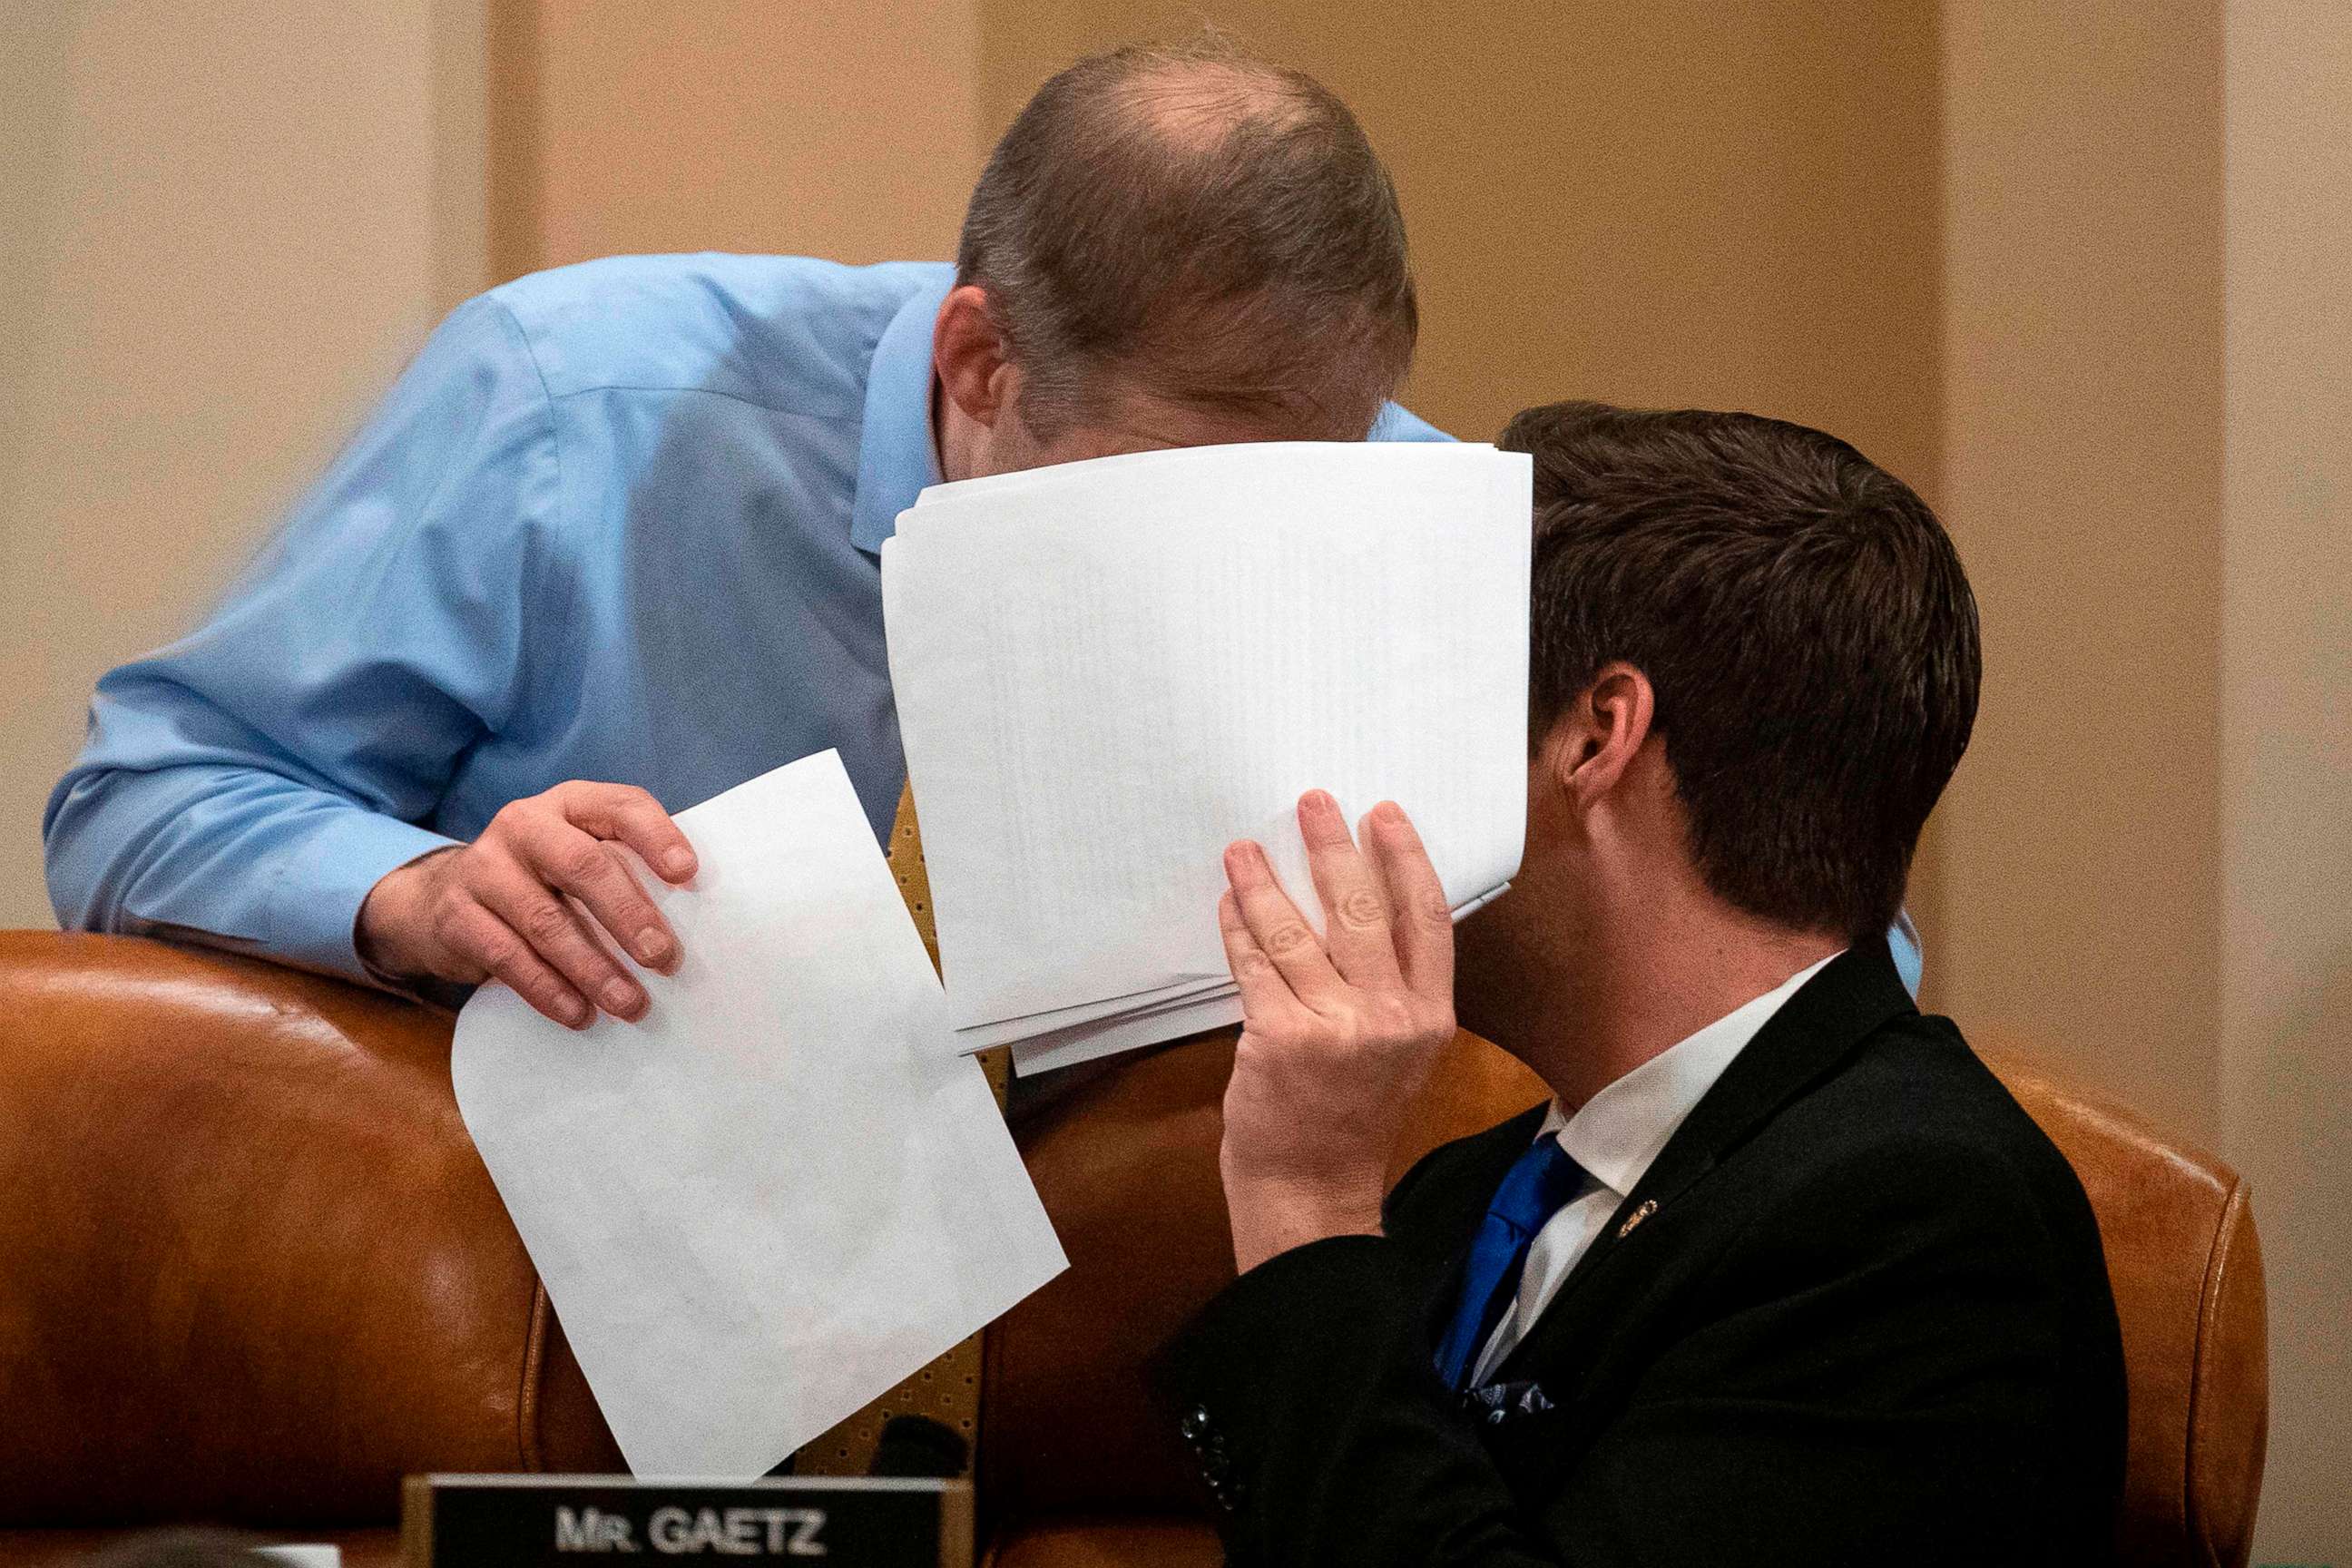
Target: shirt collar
(897, 456)
(1621, 1129)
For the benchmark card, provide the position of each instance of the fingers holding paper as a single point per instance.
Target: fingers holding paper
(1388, 931)
(1420, 921)
(533, 903)
(1339, 1032)
(1295, 961)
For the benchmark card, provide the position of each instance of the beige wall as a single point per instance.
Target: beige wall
(2286, 731)
(833, 129)
(224, 229)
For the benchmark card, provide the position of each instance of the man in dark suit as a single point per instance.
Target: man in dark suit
(1781, 1274)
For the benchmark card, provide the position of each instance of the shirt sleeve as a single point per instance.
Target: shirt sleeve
(247, 785)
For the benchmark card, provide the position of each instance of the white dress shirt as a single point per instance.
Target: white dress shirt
(1614, 1137)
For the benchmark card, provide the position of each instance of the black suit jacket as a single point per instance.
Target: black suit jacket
(1855, 1312)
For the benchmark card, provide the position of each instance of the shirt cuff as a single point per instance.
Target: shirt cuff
(315, 899)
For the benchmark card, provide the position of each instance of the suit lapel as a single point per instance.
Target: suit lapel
(1852, 997)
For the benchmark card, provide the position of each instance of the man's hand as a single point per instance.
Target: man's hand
(500, 907)
(1337, 1036)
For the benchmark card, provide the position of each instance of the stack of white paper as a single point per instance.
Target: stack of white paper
(780, 1193)
(1105, 671)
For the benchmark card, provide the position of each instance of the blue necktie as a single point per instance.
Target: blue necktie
(1539, 1184)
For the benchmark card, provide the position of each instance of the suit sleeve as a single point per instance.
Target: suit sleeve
(1868, 1381)
(247, 785)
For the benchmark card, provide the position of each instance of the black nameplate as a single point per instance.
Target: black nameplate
(528, 1522)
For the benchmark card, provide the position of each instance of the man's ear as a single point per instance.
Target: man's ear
(973, 362)
(1598, 734)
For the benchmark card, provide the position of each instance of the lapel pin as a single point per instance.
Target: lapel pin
(1649, 1206)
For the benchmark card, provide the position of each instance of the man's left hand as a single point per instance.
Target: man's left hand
(1338, 1034)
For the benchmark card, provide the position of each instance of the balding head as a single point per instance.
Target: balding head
(1199, 228)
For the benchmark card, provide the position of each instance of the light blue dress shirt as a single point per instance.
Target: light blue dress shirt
(619, 521)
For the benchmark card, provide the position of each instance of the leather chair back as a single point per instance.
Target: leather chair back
(1128, 1166)
(2187, 1270)
(251, 1267)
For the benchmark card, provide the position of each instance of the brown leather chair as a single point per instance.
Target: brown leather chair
(2187, 1270)
(252, 1271)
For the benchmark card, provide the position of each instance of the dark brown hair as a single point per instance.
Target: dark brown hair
(1199, 225)
(1803, 620)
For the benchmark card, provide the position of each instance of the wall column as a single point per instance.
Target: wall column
(2286, 733)
(2081, 868)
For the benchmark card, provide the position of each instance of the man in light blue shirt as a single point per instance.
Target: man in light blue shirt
(610, 546)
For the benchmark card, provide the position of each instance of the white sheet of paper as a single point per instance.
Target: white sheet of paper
(1107, 670)
(1067, 1048)
(782, 1192)
(1146, 1024)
